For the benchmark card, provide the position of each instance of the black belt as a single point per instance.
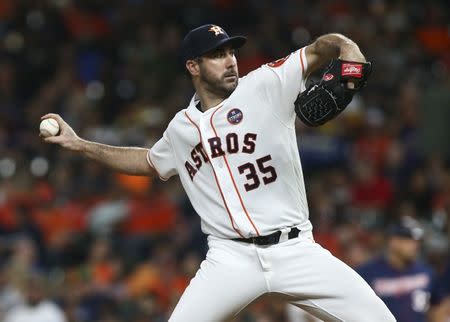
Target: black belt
(271, 239)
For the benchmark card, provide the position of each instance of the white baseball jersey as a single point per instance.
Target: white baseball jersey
(239, 161)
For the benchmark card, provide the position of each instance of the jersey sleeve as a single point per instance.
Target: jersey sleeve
(162, 158)
(283, 80)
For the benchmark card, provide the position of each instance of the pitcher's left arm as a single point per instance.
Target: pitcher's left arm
(330, 46)
(346, 74)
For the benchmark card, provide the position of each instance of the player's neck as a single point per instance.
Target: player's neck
(208, 99)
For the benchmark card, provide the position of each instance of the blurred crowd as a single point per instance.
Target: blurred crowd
(100, 246)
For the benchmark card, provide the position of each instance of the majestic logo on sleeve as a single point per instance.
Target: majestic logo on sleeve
(278, 62)
(216, 30)
(235, 116)
(352, 70)
(328, 77)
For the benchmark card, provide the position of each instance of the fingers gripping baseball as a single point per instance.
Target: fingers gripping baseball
(67, 137)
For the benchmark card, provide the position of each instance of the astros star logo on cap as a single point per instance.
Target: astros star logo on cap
(216, 30)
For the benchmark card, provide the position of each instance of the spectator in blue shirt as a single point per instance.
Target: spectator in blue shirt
(398, 276)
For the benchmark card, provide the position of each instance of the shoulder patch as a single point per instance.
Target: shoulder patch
(278, 62)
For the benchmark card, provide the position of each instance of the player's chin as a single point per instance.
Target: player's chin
(231, 82)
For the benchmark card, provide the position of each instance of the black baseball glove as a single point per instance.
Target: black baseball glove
(324, 100)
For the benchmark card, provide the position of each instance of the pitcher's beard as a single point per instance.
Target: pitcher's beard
(219, 86)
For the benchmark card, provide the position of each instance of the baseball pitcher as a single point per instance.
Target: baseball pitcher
(234, 148)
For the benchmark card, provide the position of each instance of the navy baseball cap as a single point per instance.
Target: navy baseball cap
(406, 227)
(206, 38)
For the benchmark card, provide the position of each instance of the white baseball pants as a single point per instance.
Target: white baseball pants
(234, 274)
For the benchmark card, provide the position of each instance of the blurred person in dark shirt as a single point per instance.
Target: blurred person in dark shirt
(398, 276)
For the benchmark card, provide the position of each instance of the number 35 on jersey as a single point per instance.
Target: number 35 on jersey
(233, 144)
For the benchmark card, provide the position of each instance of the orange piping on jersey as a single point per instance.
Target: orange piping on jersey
(215, 176)
(231, 175)
(150, 162)
(301, 62)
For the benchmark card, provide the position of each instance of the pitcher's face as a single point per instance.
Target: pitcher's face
(218, 71)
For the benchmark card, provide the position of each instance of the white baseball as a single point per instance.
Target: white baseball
(49, 127)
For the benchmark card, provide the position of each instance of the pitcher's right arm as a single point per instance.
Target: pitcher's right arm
(128, 160)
